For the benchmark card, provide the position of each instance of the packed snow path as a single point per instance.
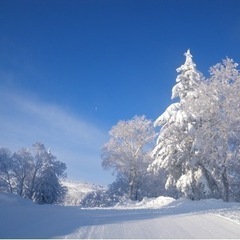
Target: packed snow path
(176, 226)
(173, 219)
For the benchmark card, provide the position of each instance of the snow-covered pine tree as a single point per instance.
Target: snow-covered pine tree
(174, 148)
(188, 80)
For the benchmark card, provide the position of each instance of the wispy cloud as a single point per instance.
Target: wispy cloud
(25, 120)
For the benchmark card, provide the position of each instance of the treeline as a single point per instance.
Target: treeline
(197, 150)
(32, 173)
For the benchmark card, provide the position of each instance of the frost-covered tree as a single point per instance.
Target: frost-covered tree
(173, 150)
(218, 139)
(127, 151)
(6, 176)
(32, 173)
(151, 186)
(22, 166)
(45, 182)
(226, 80)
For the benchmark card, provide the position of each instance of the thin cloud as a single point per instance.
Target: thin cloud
(25, 120)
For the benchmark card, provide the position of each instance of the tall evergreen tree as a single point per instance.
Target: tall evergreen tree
(173, 150)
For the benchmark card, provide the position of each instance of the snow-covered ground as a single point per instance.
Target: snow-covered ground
(152, 218)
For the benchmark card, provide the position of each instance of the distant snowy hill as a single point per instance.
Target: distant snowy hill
(77, 191)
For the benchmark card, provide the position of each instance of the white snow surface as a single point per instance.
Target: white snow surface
(162, 217)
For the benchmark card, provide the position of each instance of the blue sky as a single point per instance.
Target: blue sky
(71, 69)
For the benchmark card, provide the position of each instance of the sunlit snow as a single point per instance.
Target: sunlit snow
(162, 217)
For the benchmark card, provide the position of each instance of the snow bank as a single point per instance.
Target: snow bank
(146, 203)
(8, 199)
(20, 218)
(170, 205)
(230, 214)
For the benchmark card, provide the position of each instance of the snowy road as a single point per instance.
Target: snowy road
(176, 226)
(185, 219)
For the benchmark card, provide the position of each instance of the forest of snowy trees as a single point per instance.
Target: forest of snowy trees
(192, 150)
(128, 154)
(197, 151)
(198, 144)
(32, 173)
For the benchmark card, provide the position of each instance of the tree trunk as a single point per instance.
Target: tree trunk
(225, 185)
(133, 188)
(32, 185)
(130, 194)
(211, 182)
(9, 183)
